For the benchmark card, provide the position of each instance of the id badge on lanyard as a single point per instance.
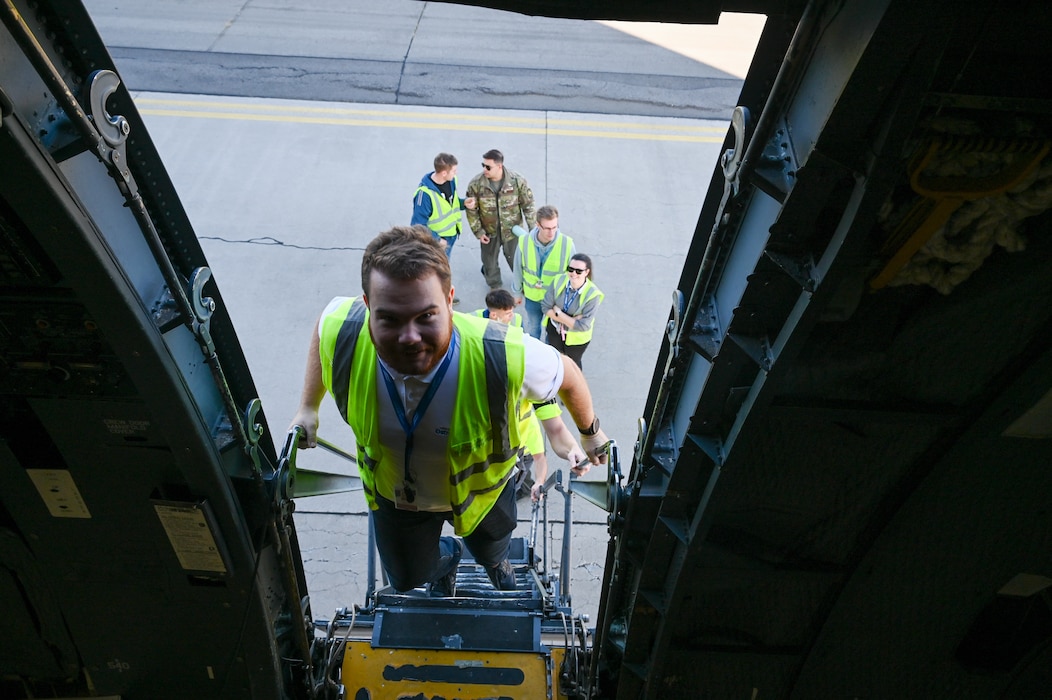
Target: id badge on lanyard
(406, 495)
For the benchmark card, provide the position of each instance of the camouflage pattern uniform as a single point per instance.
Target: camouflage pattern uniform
(494, 216)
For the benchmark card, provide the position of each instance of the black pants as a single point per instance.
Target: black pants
(574, 352)
(413, 551)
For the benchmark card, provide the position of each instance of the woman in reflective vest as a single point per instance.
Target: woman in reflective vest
(486, 433)
(569, 308)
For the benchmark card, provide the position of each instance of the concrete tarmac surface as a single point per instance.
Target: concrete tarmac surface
(285, 190)
(285, 195)
(408, 52)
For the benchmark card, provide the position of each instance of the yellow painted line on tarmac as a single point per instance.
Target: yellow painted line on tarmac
(539, 121)
(329, 110)
(391, 119)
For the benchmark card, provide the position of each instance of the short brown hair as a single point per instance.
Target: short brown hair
(547, 212)
(406, 253)
(444, 161)
(494, 155)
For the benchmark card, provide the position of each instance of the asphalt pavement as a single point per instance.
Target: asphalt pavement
(407, 52)
(285, 189)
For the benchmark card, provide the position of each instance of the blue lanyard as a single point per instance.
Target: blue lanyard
(568, 298)
(421, 409)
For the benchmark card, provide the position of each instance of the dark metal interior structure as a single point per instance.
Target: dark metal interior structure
(146, 547)
(841, 486)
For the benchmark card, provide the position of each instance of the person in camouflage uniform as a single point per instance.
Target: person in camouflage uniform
(498, 201)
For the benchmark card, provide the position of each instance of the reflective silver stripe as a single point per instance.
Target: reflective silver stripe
(581, 299)
(483, 465)
(367, 463)
(496, 359)
(558, 252)
(343, 354)
(525, 246)
(460, 509)
(452, 224)
(440, 222)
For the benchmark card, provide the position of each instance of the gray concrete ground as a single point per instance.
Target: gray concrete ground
(285, 197)
(424, 53)
(285, 193)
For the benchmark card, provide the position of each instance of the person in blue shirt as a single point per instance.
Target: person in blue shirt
(436, 204)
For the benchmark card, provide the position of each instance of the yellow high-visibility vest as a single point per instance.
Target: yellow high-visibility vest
(554, 265)
(587, 292)
(486, 432)
(445, 215)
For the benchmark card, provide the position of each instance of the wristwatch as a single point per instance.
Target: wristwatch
(590, 430)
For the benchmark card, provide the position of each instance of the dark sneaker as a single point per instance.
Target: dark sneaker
(446, 586)
(502, 577)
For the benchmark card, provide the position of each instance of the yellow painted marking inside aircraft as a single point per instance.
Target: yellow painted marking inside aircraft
(447, 673)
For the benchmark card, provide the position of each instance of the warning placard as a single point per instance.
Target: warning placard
(191, 537)
(60, 493)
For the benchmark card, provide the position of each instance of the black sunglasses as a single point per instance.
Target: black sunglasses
(487, 167)
(575, 271)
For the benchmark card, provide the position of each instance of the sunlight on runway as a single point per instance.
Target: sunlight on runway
(728, 46)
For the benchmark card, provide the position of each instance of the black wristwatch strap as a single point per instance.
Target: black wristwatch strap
(590, 430)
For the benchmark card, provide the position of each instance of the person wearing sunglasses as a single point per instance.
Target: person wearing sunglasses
(498, 202)
(569, 308)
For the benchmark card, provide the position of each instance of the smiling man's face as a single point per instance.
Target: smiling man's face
(410, 321)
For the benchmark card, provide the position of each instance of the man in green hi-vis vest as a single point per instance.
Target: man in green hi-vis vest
(435, 399)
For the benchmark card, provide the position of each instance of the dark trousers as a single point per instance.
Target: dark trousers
(574, 352)
(414, 552)
(491, 258)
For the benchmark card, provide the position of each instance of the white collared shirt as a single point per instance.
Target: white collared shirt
(543, 376)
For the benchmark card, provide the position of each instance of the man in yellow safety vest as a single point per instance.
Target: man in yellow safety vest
(541, 257)
(435, 400)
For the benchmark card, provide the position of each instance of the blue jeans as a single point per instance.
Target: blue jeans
(534, 317)
(449, 241)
